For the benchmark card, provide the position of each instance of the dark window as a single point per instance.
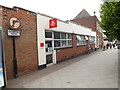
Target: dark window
(62, 40)
(69, 42)
(56, 35)
(57, 43)
(69, 36)
(63, 35)
(64, 43)
(48, 34)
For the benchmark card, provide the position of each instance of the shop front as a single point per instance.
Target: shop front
(56, 41)
(59, 40)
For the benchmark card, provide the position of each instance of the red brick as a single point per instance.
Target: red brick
(26, 44)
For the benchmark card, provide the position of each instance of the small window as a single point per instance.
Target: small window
(48, 34)
(64, 43)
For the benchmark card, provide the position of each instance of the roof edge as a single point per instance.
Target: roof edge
(13, 8)
(23, 9)
(51, 17)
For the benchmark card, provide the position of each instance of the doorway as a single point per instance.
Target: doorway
(49, 52)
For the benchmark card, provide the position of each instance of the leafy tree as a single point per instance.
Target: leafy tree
(110, 19)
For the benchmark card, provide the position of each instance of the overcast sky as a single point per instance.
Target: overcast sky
(61, 9)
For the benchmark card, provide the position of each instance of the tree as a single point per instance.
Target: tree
(110, 19)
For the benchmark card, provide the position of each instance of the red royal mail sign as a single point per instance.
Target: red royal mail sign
(53, 23)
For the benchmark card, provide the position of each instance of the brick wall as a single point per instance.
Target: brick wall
(73, 51)
(26, 44)
(87, 22)
(92, 46)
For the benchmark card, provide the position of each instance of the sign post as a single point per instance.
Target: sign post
(15, 59)
(14, 24)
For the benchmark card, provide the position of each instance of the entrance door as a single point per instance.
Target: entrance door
(49, 52)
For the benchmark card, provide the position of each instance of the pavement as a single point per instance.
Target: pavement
(96, 70)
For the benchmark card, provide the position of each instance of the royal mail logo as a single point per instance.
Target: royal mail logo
(53, 23)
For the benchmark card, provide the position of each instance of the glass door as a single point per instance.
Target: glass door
(49, 52)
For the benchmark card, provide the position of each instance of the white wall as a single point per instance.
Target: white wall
(68, 27)
(41, 25)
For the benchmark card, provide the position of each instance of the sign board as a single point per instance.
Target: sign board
(14, 33)
(2, 75)
(41, 44)
(14, 23)
(53, 23)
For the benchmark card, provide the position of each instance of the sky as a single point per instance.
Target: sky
(61, 9)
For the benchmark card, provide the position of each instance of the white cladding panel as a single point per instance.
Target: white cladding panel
(73, 28)
(77, 29)
(41, 39)
(68, 27)
(62, 27)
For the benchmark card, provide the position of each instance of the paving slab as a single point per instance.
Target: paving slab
(96, 70)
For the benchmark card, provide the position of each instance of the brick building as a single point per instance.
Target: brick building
(86, 20)
(26, 44)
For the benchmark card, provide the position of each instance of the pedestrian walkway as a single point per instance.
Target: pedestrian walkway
(96, 70)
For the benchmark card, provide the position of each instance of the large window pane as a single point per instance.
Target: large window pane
(69, 36)
(69, 42)
(63, 35)
(56, 35)
(57, 43)
(64, 43)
